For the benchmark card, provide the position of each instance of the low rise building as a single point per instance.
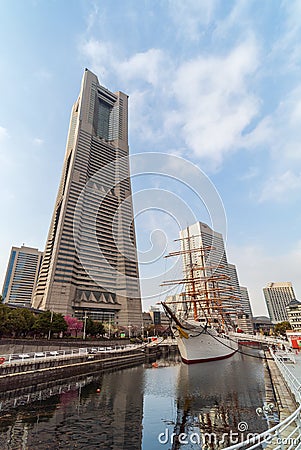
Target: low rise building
(262, 324)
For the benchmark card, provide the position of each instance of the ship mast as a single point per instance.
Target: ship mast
(207, 297)
(193, 290)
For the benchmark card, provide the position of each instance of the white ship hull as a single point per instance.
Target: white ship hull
(196, 347)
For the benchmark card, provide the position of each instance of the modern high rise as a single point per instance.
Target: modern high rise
(21, 275)
(245, 321)
(245, 301)
(277, 297)
(90, 264)
(200, 235)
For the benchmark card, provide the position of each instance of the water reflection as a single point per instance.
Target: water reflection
(105, 414)
(131, 408)
(217, 401)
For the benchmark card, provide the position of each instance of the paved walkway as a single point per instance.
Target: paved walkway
(296, 368)
(285, 399)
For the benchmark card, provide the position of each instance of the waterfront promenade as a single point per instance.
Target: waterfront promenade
(25, 369)
(296, 368)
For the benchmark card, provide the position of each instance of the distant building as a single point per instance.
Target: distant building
(155, 314)
(200, 235)
(237, 303)
(245, 318)
(294, 314)
(262, 324)
(21, 275)
(245, 302)
(277, 297)
(155, 317)
(178, 303)
(147, 320)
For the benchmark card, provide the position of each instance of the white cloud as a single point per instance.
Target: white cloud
(3, 133)
(214, 101)
(190, 16)
(101, 56)
(92, 17)
(205, 100)
(145, 66)
(38, 141)
(279, 134)
(238, 16)
(280, 187)
(250, 174)
(287, 47)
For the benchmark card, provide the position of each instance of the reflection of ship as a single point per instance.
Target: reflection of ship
(213, 401)
(202, 316)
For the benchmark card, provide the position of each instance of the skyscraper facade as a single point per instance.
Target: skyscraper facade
(200, 235)
(90, 264)
(245, 320)
(21, 275)
(277, 297)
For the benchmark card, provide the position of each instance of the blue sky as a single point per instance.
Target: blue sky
(215, 82)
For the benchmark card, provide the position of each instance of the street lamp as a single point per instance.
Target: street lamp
(129, 327)
(85, 325)
(51, 319)
(142, 331)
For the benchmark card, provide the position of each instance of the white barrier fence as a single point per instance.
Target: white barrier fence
(15, 358)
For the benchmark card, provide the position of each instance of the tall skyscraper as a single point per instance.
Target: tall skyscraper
(277, 297)
(21, 275)
(245, 302)
(245, 320)
(90, 264)
(215, 260)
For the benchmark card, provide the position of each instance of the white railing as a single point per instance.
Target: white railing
(15, 358)
(259, 338)
(286, 435)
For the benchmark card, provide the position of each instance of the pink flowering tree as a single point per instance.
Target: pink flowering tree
(74, 325)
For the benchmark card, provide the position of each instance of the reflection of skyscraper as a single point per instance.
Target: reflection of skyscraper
(21, 275)
(90, 263)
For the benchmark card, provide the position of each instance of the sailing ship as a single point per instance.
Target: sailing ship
(203, 315)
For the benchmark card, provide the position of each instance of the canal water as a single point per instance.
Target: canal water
(171, 406)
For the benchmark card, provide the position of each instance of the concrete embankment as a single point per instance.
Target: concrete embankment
(17, 346)
(31, 372)
(285, 400)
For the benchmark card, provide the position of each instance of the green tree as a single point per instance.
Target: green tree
(29, 319)
(49, 322)
(16, 322)
(100, 329)
(281, 327)
(4, 312)
(91, 328)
